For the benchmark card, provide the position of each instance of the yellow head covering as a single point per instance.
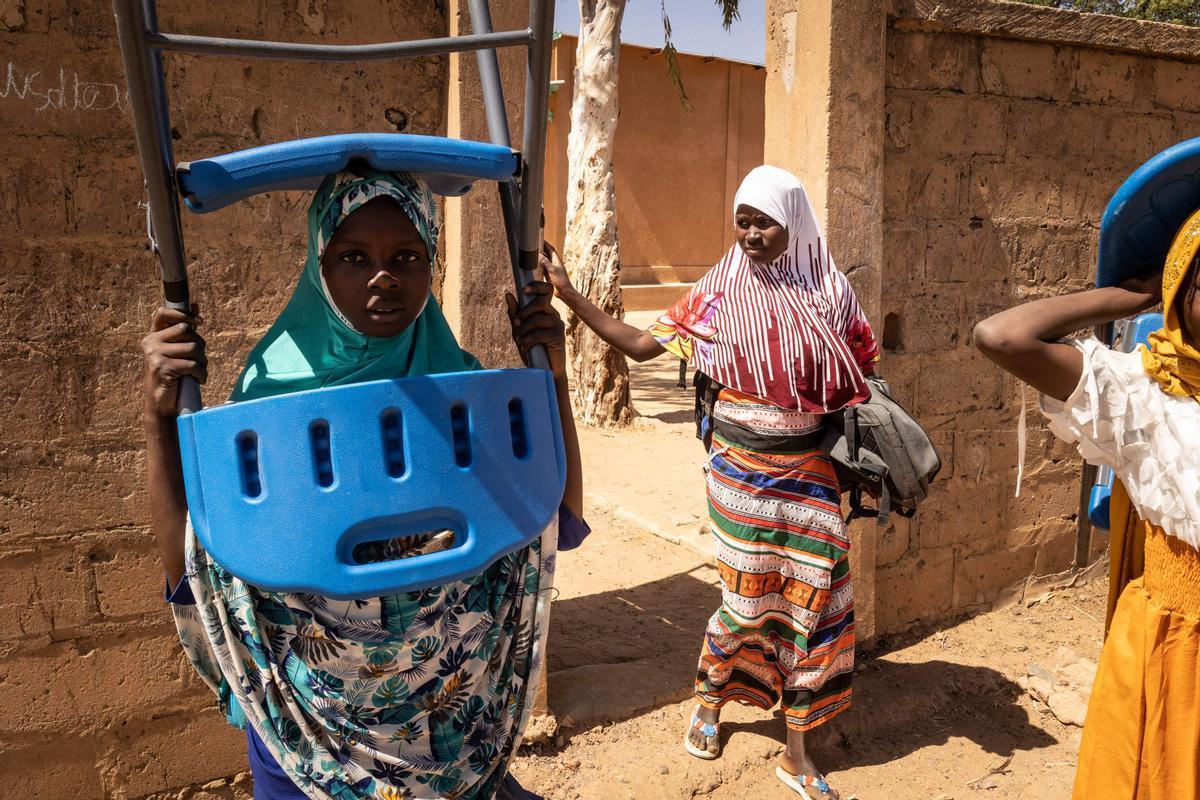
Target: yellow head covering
(1171, 359)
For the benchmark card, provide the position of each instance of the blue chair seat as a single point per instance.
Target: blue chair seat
(281, 491)
(449, 166)
(1143, 216)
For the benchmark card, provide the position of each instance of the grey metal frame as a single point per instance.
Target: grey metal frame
(142, 43)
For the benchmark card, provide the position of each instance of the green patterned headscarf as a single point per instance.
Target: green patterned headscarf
(312, 344)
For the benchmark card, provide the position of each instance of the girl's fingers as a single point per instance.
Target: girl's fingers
(179, 332)
(176, 335)
(539, 303)
(551, 336)
(542, 337)
(175, 368)
(165, 317)
(538, 288)
(541, 322)
(192, 351)
(531, 311)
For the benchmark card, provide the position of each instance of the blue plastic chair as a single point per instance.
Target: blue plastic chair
(284, 491)
(1144, 215)
(1136, 233)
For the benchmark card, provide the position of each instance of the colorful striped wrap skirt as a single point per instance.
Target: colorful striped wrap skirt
(785, 630)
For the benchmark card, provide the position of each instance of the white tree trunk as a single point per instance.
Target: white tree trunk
(591, 250)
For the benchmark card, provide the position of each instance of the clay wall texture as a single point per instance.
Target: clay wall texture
(1000, 155)
(985, 139)
(676, 169)
(97, 699)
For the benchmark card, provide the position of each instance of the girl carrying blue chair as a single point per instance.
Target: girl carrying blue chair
(1136, 412)
(371, 697)
(359, 548)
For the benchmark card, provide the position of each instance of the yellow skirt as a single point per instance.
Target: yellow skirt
(1142, 737)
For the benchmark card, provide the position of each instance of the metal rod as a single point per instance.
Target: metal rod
(250, 48)
(151, 128)
(537, 90)
(489, 76)
(497, 120)
(158, 90)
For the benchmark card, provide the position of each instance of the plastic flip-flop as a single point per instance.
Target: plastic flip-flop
(710, 731)
(797, 783)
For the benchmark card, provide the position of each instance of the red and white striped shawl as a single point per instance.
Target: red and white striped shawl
(790, 332)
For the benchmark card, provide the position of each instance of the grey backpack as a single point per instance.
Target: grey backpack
(876, 446)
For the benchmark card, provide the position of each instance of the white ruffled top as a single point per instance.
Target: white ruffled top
(1121, 419)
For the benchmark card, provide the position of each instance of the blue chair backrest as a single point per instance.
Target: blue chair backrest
(282, 490)
(449, 166)
(1145, 213)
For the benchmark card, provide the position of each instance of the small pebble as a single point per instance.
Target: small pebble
(1021, 648)
(663, 769)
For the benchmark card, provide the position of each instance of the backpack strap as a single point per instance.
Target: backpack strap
(885, 506)
(853, 444)
(858, 510)
(850, 421)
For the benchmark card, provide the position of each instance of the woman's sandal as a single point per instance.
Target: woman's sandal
(711, 732)
(797, 784)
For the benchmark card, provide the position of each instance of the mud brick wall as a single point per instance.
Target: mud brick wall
(96, 699)
(1007, 129)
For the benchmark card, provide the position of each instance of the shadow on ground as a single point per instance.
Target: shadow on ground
(618, 654)
(900, 708)
(657, 395)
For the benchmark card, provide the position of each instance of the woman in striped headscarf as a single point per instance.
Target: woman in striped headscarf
(778, 332)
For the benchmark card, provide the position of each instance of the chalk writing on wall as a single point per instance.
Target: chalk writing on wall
(67, 91)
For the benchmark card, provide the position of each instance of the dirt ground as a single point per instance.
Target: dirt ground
(935, 712)
(938, 714)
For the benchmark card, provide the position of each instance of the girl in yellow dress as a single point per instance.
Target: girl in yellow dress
(1139, 414)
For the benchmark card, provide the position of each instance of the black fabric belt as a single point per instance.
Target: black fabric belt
(740, 436)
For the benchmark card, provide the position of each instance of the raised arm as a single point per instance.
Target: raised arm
(1024, 340)
(171, 350)
(633, 342)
